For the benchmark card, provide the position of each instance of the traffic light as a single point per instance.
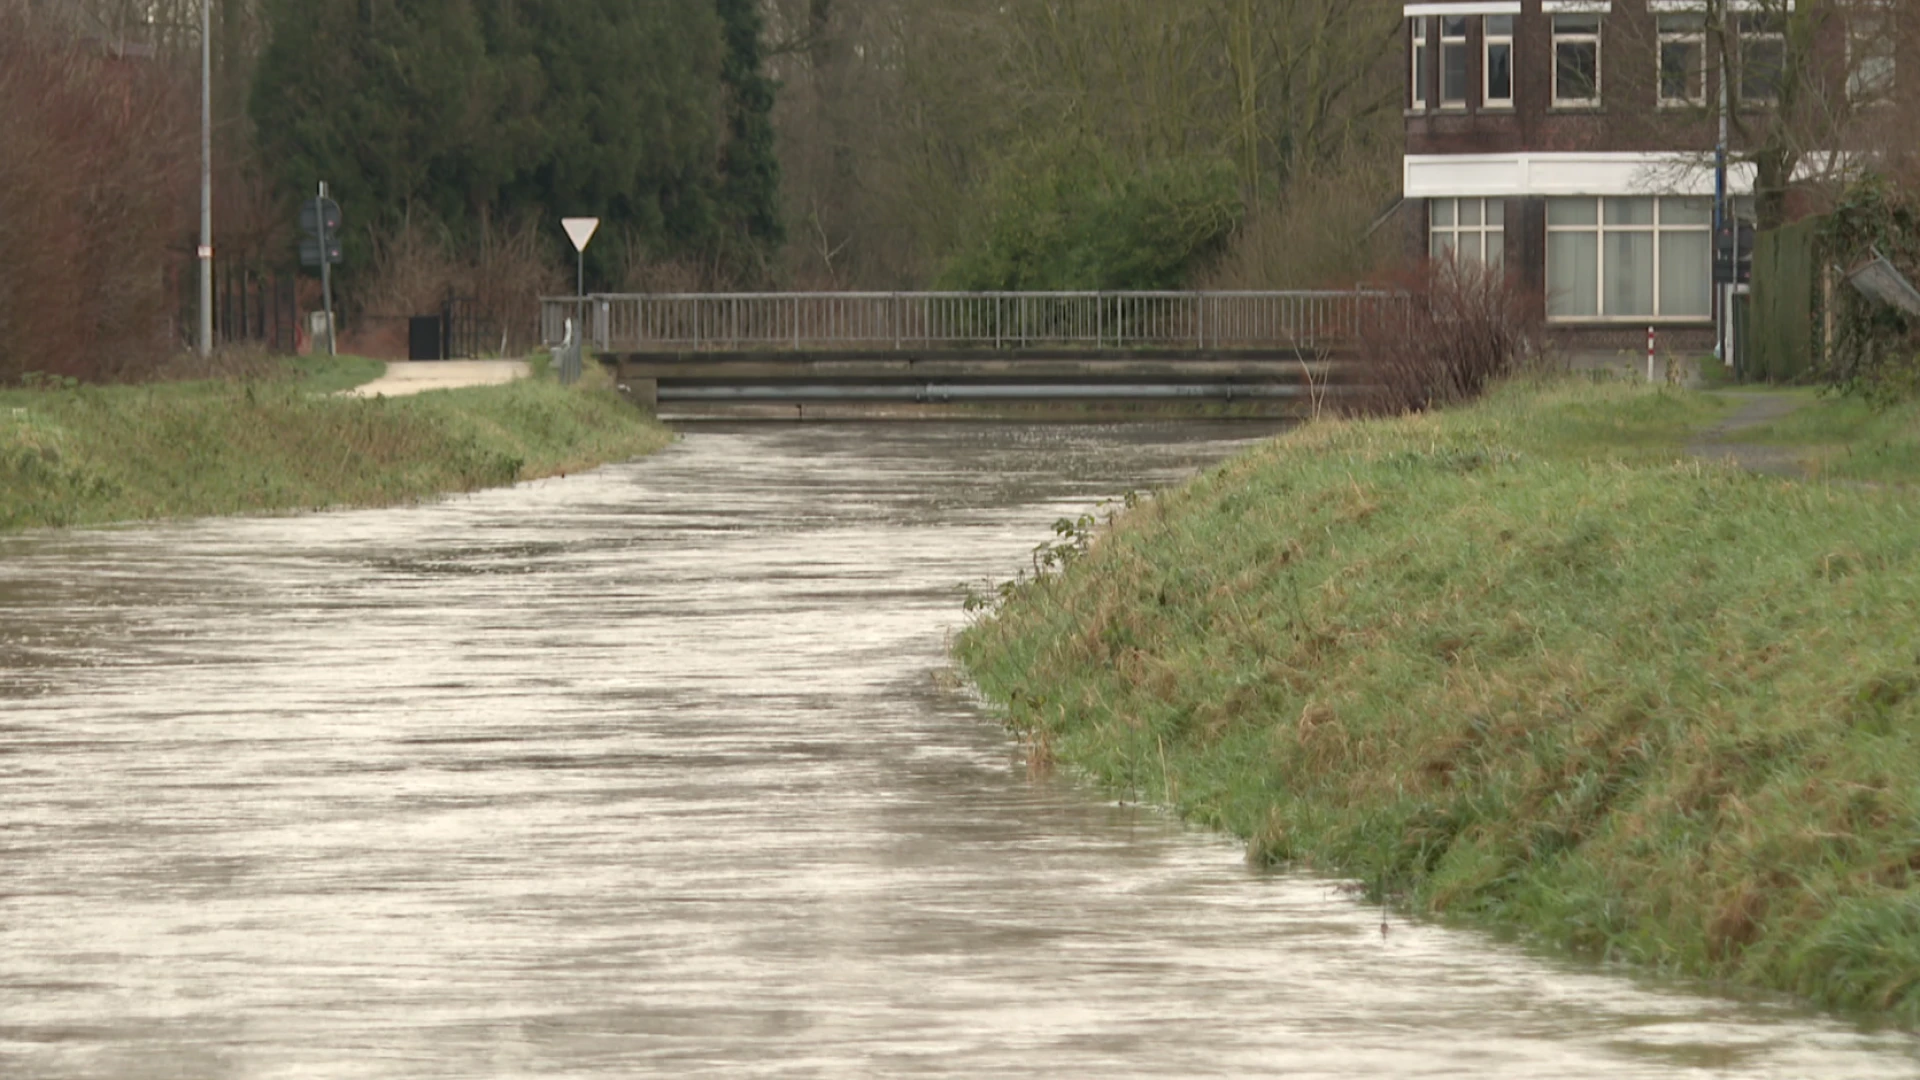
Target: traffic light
(318, 218)
(1733, 254)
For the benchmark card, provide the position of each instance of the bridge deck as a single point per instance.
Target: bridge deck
(978, 347)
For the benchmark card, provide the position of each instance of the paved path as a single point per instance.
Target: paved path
(1718, 443)
(412, 377)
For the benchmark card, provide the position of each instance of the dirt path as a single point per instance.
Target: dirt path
(1718, 443)
(410, 377)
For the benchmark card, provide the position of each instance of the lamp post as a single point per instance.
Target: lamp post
(1723, 294)
(206, 178)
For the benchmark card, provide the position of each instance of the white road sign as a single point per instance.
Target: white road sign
(580, 230)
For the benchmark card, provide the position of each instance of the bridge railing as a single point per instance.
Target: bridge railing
(734, 322)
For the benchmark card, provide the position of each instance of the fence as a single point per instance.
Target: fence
(1782, 338)
(251, 305)
(892, 321)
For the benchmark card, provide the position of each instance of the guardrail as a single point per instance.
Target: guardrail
(694, 322)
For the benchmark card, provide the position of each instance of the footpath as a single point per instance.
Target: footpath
(1720, 442)
(406, 377)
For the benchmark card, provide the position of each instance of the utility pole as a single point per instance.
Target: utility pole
(1723, 294)
(326, 266)
(206, 178)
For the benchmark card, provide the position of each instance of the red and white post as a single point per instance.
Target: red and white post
(1649, 354)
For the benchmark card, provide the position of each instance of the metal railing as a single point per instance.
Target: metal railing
(893, 321)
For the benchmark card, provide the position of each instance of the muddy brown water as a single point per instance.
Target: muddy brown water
(648, 773)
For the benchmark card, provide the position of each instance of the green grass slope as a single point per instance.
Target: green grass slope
(89, 455)
(1523, 665)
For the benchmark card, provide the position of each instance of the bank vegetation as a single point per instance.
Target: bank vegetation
(1521, 663)
(273, 440)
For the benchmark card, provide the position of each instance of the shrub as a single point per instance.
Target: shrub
(1326, 230)
(1465, 325)
(1074, 217)
(505, 268)
(1874, 350)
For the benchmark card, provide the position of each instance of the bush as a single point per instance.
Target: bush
(1465, 326)
(503, 267)
(1075, 218)
(1325, 231)
(1874, 350)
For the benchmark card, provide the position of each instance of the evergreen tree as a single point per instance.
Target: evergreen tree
(394, 102)
(750, 166)
(654, 117)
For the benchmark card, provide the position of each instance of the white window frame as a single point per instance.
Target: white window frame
(1695, 36)
(1488, 231)
(1743, 35)
(1600, 229)
(1884, 50)
(1489, 39)
(1421, 61)
(1578, 38)
(1448, 45)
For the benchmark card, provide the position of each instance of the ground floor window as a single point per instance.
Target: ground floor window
(1629, 258)
(1467, 229)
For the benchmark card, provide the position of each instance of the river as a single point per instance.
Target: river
(654, 772)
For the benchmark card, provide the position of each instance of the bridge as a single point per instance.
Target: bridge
(799, 349)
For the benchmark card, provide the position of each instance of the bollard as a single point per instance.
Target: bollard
(1649, 354)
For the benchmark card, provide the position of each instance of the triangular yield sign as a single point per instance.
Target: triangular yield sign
(580, 230)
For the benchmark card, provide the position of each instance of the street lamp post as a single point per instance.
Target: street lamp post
(1723, 294)
(206, 178)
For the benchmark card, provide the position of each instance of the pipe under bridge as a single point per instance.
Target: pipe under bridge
(709, 350)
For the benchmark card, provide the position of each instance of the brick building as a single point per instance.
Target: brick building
(1572, 140)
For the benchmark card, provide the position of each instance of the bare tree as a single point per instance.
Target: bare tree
(895, 111)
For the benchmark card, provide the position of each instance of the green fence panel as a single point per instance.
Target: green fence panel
(1781, 311)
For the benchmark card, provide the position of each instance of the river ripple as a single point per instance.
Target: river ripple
(648, 772)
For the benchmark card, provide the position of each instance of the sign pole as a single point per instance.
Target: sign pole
(326, 266)
(580, 230)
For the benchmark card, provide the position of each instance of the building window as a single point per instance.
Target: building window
(1497, 65)
(1763, 57)
(1467, 230)
(1576, 60)
(1453, 61)
(1421, 62)
(1871, 51)
(1629, 258)
(1683, 59)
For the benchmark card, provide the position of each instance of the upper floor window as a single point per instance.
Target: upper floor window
(1497, 65)
(1871, 51)
(1763, 57)
(1683, 59)
(1453, 61)
(1420, 62)
(1576, 60)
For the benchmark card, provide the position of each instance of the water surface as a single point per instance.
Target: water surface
(650, 772)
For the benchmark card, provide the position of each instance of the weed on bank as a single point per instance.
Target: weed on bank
(1518, 663)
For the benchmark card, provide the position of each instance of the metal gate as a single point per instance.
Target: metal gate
(462, 328)
(255, 306)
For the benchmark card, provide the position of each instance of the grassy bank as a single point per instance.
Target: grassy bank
(1520, 664)
(89, 455)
